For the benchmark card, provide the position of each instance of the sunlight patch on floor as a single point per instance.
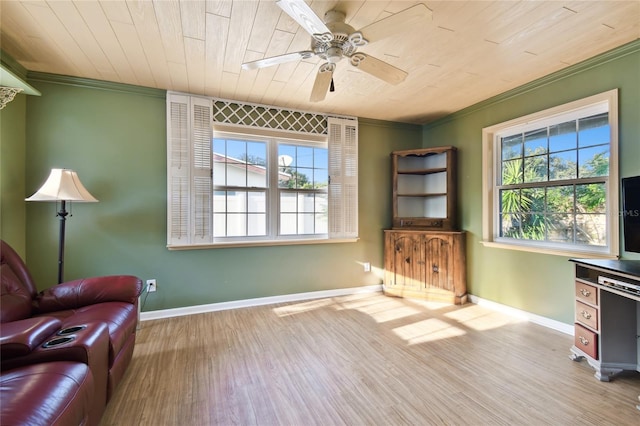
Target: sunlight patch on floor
(384, 309)
(428, 330)
(298, 308)
(478, 318)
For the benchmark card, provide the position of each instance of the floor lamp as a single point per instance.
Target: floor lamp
(62, 185)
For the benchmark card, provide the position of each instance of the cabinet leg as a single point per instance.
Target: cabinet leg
(575, 357)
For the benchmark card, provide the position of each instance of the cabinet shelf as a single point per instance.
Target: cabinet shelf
(424, 194)
(424, 188)
(422, 171)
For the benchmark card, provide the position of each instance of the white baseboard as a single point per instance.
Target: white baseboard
(296, 297)
(528, 316)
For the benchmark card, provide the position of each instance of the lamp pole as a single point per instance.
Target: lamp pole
(62, 214)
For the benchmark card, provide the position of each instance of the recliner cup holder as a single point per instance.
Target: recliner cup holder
(70, 330)
(58, 341)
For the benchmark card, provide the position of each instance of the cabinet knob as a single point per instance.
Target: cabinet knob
(435, 268)
(408, 260)
(586, 315)
(585, 292)
(584, 341)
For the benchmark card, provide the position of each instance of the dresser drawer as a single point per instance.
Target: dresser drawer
(587, 315)
(586, 341)
(587, 293)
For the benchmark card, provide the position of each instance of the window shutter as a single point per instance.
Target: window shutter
(178, 169)
(189, 129)
(201, 189)
(343, 178)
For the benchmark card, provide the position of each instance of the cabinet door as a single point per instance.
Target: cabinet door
(439, 262)
(407, 265)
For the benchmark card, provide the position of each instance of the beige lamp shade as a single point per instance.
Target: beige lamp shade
(63, 185)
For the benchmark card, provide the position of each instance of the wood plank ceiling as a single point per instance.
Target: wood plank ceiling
(467, 52)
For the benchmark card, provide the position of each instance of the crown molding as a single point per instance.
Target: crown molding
(609, 56)
(88, 83)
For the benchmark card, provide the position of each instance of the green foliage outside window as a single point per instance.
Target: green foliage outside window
(542, 196)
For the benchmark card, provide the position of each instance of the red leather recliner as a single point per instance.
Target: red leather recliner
(98, 315)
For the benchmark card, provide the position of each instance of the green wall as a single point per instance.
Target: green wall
(537, 283)
(115, 138)
(12, 174)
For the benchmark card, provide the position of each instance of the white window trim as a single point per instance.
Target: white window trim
(342, 132)
(536, 120)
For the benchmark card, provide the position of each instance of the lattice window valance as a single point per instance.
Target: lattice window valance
(268, 117)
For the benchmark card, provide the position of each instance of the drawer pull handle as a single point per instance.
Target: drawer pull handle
(586, 315)
(584, 341)
(585, 292)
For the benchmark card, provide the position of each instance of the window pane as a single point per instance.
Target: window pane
(535, 142)
(322, 202)
(532, 200)
(220, 201)
(304, 178)
(219, 225)
(562, 136)
(591, 229)
(594, 161)
(512, 172)
(236, 150)
(256, 224)
(236, 225)
(560, 199)
(306, 202)
(304, 156)
(510, 201)
(560, 228)
(236, 201)
(288, 224)
(594, 130)
(322, 223)
(219, 150)
(591, 198)
(535, 169)
(306, 223)
(510, 225)
(288, 202)
(533, 226)
(257, 202)
(563, 165)
(511, 147)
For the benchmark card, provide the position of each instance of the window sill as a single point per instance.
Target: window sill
(548, 250)
(269, 243)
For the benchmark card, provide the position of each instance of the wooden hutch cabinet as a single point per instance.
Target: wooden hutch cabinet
(424, 253)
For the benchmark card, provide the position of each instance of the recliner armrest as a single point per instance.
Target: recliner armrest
(89, 291)
(19, 338)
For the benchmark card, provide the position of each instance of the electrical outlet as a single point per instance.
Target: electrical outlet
(367, 266)
(151, 286)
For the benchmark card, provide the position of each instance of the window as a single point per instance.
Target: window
(243, 185)
(550, 180)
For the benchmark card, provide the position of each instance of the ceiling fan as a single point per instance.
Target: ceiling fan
(333, 39)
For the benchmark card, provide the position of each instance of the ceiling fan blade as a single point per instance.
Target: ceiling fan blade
(396, 23)
(322, 83)
(306, 17)
(378, 68)
(275, 60)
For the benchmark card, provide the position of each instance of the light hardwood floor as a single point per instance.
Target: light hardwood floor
(363, 360)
